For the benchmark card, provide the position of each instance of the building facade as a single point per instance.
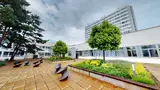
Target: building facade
(123, 18)
(141, 43)
(44, 53)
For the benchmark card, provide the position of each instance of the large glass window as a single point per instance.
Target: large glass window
(145, 53)
(149, 51)
(131, 51)
(5, 54)
(153, 53)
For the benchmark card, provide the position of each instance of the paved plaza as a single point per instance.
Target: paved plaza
(43, 78)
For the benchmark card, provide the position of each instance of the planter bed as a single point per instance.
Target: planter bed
(117, 81)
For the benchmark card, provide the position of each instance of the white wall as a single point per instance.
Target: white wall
(144, 37)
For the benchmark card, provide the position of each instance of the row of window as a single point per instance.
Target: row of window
(8, 54)
(45, 54)
(142, 51)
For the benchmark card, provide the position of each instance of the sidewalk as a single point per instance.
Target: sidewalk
(155, 70)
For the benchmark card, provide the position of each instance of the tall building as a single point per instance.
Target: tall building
(123, 18)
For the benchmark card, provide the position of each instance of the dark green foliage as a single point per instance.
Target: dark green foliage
(143, 79)
(105, 37)
(117, 68)
(2, 63)
(59, 58)
(60, 48)
(19, 26)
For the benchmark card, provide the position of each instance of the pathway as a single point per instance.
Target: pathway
(43, 78)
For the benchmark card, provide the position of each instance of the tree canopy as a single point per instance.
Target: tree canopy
(105, 37)
(60, 48)
(19, 27)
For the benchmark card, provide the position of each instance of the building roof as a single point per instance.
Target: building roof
(148, 36)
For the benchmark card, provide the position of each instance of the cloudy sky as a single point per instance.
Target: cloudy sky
(66, 19)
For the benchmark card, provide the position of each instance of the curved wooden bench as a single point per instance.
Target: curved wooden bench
(62, 70)
(35, 62)
(17, 65)
(41, 61)
(36, 65)
(64, 76)
(16, 62)
(57, 67)
(26, 63)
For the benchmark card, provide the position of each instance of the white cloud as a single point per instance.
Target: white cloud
(66, 19)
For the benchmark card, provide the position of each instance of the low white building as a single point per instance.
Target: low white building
(44, 53)
(141, 43)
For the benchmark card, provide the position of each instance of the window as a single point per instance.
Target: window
(145, 53)
(131, 51)
(153, 53)
(10, 54)
(5, 54)
(149, 51)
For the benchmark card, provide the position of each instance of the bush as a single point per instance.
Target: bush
(95, 62)
(57, 58)
(118, 68)
(143, 79)
(87, 61)
(2, 63)
(68, 58)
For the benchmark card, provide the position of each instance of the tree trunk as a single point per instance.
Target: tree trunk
(103, 55)
(63, 55)
(14, 53)
(3, 35)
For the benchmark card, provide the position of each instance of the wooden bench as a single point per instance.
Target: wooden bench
(17, 65)
(64, 73)
(41, 61)
(26, 63)
(16, 62)
(57, 67)
(37, 64)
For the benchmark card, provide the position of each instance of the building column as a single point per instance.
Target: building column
(125, 52)
(157, 48)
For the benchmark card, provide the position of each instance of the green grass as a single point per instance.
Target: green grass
(121, 69)
(2, 63)
(59, 58)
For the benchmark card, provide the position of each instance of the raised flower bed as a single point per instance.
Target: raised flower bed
(117, 73)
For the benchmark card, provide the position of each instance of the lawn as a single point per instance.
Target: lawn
(2, 63)
(121, 69)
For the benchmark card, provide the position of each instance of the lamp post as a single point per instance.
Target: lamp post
(133, 69)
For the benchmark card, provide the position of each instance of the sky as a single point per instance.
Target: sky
(66, 19)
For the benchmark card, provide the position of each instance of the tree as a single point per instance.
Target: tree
(60, 48)
(25, 32)
(105, 37)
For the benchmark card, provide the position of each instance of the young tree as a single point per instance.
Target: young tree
(105, 37)
(60, 48)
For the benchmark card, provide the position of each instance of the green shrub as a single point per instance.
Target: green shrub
(2, 63)
(51, 58)
(68, 58)
(95, 62)
(118, 68)
(57, 58)
(143, 79)
(87, 61)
